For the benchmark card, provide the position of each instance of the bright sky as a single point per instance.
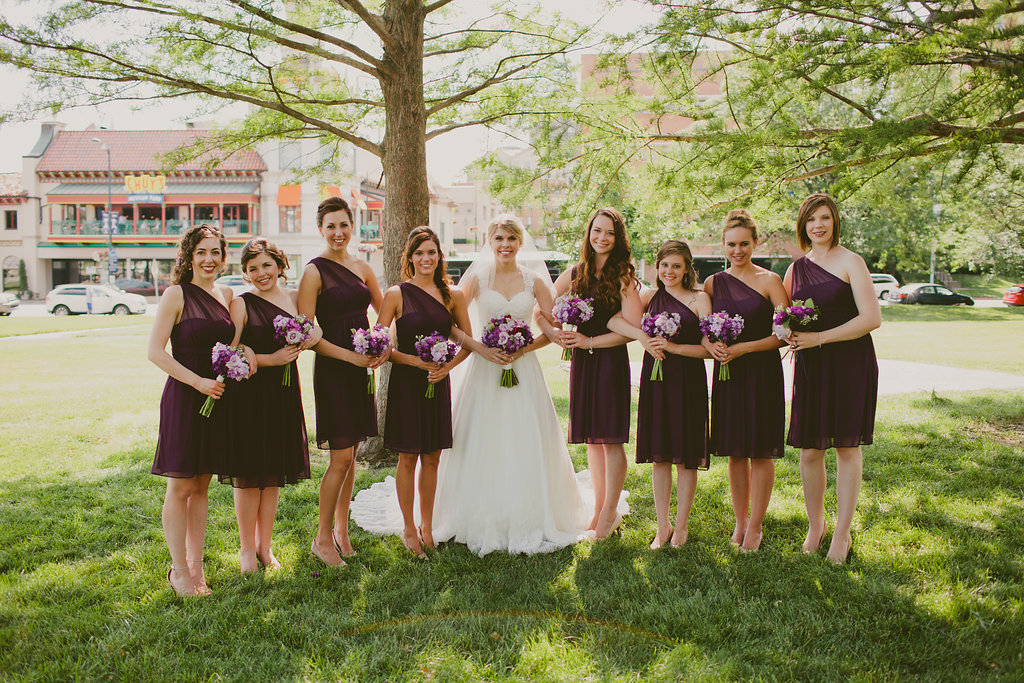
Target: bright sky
(447, 155)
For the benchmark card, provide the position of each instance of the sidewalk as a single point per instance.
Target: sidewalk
(904, 377)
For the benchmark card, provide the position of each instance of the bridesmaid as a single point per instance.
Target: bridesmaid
(672, 416)
(337, 287)
(835, 381)
(193, 316)
(268, 448)
(415, 426)
(599, 388)
(747, 411)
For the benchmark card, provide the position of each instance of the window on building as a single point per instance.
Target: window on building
(290, 219)
(10, 220)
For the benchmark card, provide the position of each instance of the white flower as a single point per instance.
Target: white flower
(781, 332)
(503, 337)
(293, 336)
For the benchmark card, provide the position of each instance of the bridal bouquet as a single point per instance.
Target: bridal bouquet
(571, 310)
(229, 362)
(371, 342)
(664, 325)
(719, 327)
(435, 348)
(291, 330)
(509, 335)
(798, 314)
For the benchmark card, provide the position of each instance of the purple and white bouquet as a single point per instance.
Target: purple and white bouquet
(798, 314)
(371, 342)
(664, 325)
(291, 330)
(435, 348)
(571, 311)
(229, 362)
(719, 327)
(509, 335)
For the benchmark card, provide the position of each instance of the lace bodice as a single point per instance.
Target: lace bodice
(490, 303)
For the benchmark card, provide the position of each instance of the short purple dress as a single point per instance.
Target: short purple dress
(672, 415)
(835, 387)
(188, 443)
(268, 429)
(345, 412)
(414, 423)
(748, 411)
(599, 385)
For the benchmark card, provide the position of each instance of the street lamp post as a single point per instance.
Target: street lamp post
(109, 222)
(937, 210)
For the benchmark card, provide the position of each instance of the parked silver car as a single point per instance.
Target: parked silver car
(885, 285)
(8, 302)
(87, 298)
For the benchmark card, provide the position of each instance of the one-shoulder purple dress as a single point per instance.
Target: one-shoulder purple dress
(672, 415)
(345, 412)
(599, 385)
(188, 443)
(835, 387)
(268, 429)
(748, 411)
(414, 423)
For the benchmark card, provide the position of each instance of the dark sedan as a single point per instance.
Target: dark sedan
(133, 286)
(925, 293)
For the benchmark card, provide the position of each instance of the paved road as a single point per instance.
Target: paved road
(903, 377)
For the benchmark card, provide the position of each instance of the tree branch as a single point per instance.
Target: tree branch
(374, 21)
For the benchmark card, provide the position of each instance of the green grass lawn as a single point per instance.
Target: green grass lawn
(984, 286)
(936, 590)
(15, 326)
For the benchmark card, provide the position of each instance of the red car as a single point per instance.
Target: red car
(1014, 296)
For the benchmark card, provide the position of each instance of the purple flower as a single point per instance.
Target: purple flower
(509, 335)
(435, 348)
(291, 330)
(799, 314)
(229, 362)
(661, 324)
(571, 311)
(371, 342)
(719, 327)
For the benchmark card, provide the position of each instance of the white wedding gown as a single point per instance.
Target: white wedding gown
(507, 483)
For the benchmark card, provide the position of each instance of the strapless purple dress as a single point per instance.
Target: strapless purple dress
(414, 423)
(672, 415)
(189, 444)
(268, 445)
(345, 413)
(599, 385)
(835, 387)
(748, 411)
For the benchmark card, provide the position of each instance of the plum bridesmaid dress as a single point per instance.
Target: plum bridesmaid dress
(835, 387)
(748, 411)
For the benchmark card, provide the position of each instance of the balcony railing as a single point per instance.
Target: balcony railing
(147, 226)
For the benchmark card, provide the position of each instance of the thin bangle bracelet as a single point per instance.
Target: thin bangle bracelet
(591, 349)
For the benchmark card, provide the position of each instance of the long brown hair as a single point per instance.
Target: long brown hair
(810, 205)
(417, 237)
(187, 248)
(678, 248)
(618, 271)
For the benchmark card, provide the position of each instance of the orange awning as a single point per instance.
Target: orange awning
(330, 191)
(289, 195)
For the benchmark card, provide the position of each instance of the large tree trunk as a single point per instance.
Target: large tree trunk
(406, 197)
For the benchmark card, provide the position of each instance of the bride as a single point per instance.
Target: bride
(507, 483)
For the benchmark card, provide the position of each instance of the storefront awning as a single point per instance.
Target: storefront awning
(191, 188)
(289, 195)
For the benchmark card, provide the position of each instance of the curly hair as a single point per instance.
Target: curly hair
(187, 247)
(330, 205)
(678, 248)
(810, 205)
(417, 237)
(261, 245)
(618, 271)
(739, 218)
